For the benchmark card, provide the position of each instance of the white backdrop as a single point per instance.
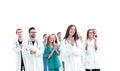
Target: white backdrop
(54, 16)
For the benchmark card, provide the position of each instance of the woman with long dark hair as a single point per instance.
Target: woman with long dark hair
(91, 63)
(71, 50)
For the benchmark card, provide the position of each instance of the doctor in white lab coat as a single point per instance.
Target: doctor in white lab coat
(18, 48)
(72, 49)
(59, 39)
(91, 61)
(33, 52)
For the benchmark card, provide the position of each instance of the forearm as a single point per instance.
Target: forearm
(95, 46)
(86, 47)
(58, 53)
(49, 56)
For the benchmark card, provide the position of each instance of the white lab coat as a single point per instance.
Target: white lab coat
(60, 57)
(91, 61)
(34, 62)
(18, 51)
(72, 55)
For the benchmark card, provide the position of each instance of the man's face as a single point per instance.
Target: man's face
(45, 37)
(19, 33)
(32, 33)
(59, 35)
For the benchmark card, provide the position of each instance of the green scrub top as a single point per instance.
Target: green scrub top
(54, 61)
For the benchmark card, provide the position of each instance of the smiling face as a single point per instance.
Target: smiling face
(72, 31)
(54, 37)
(90, 34)
(50, 39)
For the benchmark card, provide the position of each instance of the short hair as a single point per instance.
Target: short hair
(31, 28)
(58, 33)
(44, 34)
(18, 30)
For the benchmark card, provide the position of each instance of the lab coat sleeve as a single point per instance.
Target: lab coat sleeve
(80, 51)
(40, 49)
(65, 49)
(16, 47)
(84, 45)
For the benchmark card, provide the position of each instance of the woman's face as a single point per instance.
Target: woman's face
(54, 37)
(90, 34)
(51, 39)
(72, 31)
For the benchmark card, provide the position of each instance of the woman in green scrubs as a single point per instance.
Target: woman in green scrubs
(52, 52)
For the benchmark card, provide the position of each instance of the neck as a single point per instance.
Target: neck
(51, 45)
(32, 39)
(19, 38)
(70, 37)
(45, 40)
(59, 38)
(90, 39)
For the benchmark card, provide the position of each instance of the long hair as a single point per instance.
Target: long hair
(56, 41)
(67, 32)
(88, 32)
(48, 42)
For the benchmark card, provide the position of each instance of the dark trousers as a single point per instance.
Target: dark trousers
(22, 63)
(92, 69)
(63, 64)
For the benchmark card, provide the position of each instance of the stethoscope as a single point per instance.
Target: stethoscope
(30, 43)
(66, 41)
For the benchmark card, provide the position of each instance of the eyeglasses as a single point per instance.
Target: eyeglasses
(32, 32)
(19, 32)
(90, 31)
